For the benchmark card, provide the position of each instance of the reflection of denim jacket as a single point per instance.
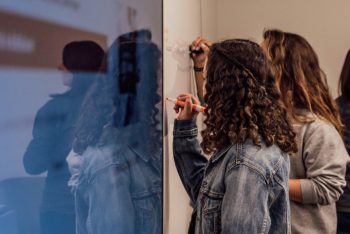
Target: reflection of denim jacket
(118, 191)
(241, 189)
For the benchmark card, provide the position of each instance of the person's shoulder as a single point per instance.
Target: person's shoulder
(66, 102)
(262, 158)
(66, 98)
(57, 101)
(320, 133)
(320, 126)
(313, 125)
(48, 109)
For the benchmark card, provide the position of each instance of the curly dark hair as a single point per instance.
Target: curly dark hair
(242, 99)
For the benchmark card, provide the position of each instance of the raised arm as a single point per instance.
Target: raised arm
(199, 61)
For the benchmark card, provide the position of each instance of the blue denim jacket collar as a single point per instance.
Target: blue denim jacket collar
(223, 151)
(220, 153)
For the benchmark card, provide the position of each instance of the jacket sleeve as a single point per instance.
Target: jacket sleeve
(36, 159)
(189, 161)
(245, 203)
(325, 160)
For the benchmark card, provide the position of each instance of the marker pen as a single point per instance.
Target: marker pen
(195, 107)
(196, 51)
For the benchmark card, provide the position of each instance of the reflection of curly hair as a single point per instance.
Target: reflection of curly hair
(242, 99)
(128, 94)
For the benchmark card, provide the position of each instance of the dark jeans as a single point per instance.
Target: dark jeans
(56, 223)
(343, 223)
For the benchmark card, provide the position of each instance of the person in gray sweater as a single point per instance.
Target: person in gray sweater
(317, 173)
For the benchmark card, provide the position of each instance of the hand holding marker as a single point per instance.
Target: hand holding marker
(199, 50)
(195, 107)
(196, 51)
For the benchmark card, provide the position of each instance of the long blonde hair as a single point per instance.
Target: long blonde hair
(301, 81)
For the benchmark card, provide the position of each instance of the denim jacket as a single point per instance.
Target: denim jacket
(118, 190)
(243, 188)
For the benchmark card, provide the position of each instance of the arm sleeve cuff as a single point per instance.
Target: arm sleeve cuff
(308, 191)
(185, 128)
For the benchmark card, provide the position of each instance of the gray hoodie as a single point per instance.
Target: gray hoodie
(320, 164)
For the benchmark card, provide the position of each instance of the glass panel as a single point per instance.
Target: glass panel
(80, 138)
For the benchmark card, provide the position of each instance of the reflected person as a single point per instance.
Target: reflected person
(52, 136)
(116, 158)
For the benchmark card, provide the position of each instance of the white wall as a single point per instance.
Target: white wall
(183, 21)
(209, 19)
(182, 24)
(325, 24)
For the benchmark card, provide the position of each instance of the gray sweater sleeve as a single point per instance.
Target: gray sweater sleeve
(325, 159)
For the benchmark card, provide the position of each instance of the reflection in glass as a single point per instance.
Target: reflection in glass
(116, 158)
(53, 132)
(85, 156)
